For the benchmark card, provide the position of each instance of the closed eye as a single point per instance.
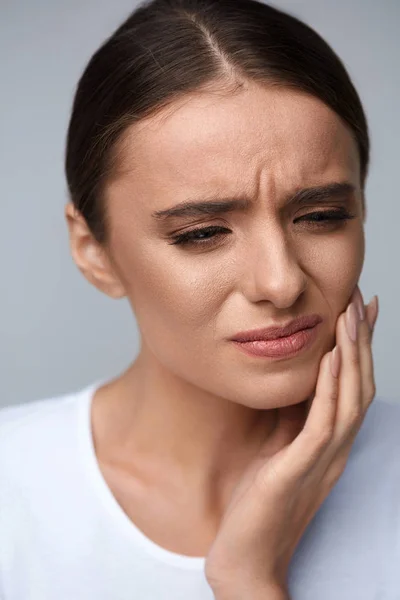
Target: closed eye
(206, 236)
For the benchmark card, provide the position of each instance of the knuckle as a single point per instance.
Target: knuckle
(335, 472)
(354, 359)
(334, 394)
(355, 414)
(354, 420)
(370, 392)
(268, 476)
(323, 437)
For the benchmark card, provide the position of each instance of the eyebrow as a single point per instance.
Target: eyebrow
(215, 206)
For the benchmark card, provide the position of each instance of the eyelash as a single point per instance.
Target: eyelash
(185, 239)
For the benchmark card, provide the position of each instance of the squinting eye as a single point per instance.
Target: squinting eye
(316, 219)
(189, 237)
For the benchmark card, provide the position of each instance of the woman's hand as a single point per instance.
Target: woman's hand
(282, 489)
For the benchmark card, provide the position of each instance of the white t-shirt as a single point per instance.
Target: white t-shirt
(63, 535)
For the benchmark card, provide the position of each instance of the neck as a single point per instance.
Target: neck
(175, 430)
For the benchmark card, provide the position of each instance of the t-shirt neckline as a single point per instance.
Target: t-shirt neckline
(113, 509)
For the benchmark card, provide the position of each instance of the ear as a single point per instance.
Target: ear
(91, 257)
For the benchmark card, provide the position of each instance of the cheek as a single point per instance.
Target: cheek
(335, 267)
(176, 308)
(172, 293)
(177, 295)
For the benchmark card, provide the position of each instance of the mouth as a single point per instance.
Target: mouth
(276, 332)
(282, 347)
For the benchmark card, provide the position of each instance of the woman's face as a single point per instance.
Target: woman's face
(266, 266)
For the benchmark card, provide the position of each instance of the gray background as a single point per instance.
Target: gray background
(59, 333)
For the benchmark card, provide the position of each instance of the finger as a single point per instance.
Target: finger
(366, 359)
(368, 387)
(322, 414)
(349, 405)
(372, 313)
(308, 447)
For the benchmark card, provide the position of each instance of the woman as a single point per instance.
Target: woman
(216, 159)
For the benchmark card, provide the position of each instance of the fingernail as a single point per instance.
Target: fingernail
(360, 304)
(373, 312)
(335, 361)
(352, 321)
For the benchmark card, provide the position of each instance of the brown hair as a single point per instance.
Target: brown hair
(166, 49)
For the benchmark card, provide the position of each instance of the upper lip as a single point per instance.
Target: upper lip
(278, 331)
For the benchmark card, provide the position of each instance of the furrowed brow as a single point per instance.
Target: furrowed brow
(215, 206)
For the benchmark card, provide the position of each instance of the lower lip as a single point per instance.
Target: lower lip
(280, 347)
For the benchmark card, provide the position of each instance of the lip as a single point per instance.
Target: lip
(284, 347)
(278, 331)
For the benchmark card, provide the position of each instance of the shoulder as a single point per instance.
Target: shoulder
(18, 416)
(33, 432)
(31, 417)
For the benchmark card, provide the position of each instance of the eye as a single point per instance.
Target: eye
(327, 216)
(199, 236)
(207, 236)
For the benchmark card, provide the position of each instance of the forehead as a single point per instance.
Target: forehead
(213, 142)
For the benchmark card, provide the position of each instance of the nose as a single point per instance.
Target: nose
(272, 271)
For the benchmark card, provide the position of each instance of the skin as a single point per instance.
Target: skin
(282, 490)
(175, 431)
